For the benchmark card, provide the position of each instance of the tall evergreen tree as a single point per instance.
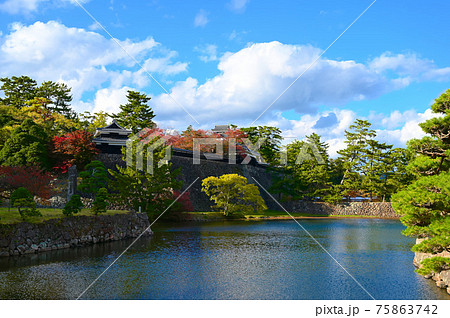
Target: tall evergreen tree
(270, 148)
(307, 174)
(136, 114)
(59, 95)
(425, 204)
(372, 168)
(18, 90)
(354, 156)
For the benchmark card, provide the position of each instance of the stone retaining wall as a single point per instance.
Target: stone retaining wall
(26, 238)
(375, 209)
(206, 168)
(442, 278)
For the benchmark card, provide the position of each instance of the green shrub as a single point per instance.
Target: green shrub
(101, 201)
(73, 206)
(433, 265)
(22, 199)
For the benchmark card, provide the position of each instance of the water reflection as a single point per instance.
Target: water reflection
(238, 260)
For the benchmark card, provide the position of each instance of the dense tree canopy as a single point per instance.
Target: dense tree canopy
(36, 180)
(307, 171)
(26, 146)
(59, 96)
(371, 168)
(75, 148)
(18, 90)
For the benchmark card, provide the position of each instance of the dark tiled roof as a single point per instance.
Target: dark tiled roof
(113, 125)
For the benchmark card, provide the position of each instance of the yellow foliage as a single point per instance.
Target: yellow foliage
(231, 193)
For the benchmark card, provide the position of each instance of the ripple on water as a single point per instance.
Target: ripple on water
(231, 260)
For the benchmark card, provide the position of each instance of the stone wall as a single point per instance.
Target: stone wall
(206, 168)
(26, 238)
(375, 209)
(442, 278)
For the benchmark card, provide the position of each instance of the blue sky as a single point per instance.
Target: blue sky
(227, 61)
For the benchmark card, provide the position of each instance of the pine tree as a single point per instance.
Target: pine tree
(100, 203)
(425, 204)
(372, 168)
(18, 90)
(307, 174)
(136, 114)
(354, 156)
(140, 190)
(93, 178)
(270, 148)
(59, 96)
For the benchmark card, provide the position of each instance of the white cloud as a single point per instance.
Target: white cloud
(19, 6)
(409, 68)
(249, 81)
(238, 6)
(306, 125)
(408, 126)
(109, 100)
(29, 6)
(94, 27)
(208, 52)
(253, 77)
(201, 19)
(85, 60)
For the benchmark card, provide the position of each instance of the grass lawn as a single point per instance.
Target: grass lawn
(13, 216)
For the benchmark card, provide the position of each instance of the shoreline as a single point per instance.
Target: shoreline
(203, 217)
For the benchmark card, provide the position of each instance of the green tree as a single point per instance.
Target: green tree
(135, 114)
(425, 204)
(270, 148)
(371, 168)
(22, 199)
(18, 90)
(307, 173)
(73, 206)
(10, 118)
(354, 156)
(93, 178)
(91, 122)
(59, 95)
(101, 201)
(26, 146)
(150, 192)
(389, 173)
(231, 193)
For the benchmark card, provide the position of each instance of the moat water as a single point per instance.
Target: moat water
(231, 260)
